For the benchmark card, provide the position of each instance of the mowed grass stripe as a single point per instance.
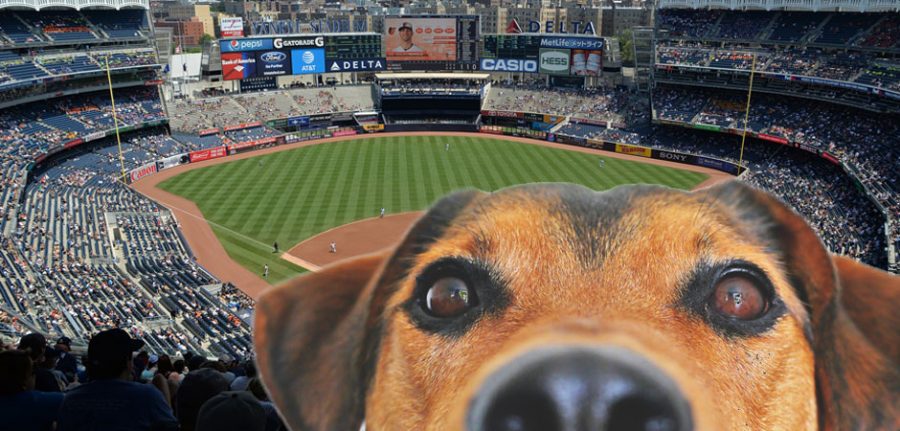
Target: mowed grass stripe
(299, 193)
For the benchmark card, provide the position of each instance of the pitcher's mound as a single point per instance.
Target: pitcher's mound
(352, 239)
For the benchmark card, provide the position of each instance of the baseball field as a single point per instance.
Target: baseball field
(292, 195)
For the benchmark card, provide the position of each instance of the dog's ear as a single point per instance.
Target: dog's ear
(317, 336)
(308, 334)
(852, 309)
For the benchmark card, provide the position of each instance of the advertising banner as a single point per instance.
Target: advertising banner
(420, 39)
(320, 118)
(298, 121)
(232, 27)
(73, 143)
(273, 63)
(505, 114)
(299, 42)
(251, 144)
(509, 65)
(633, 150)
(170, 162)
(717, 164)
(143, 171)
(241, 126)
(373, 127)
(94, 136)
(306, 61)
(569, 42)
(344, 133)
(208, 154)
(240, 45)
(357, 65)
(830, 158)
(205, 132)
(554, 61)
(586, 62)
(238, 65)
(771, 138)
(675, 157)
(589, 121)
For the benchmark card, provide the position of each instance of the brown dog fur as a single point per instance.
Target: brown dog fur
(583, 268)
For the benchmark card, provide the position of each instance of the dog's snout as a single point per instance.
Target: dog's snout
(579, 389)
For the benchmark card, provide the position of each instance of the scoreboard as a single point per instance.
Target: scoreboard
(512, 46)
(353, 47)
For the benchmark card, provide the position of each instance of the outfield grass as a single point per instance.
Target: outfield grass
(293, 195)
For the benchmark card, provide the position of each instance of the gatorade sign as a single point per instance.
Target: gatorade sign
(554, 61)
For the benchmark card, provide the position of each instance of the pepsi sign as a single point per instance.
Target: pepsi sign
(238, 45)
(509, 65)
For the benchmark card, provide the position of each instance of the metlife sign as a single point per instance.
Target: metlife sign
(509, 65)
(358, 65)
(306, 61)
(589, 43)
(239, 45)
(298, 42)
(554, 61)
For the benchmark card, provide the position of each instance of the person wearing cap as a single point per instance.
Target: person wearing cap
(21, 407)
(67, 363)
(111, 400)
(406, 42)
(231, 411)
(47, 379)
(197, 388)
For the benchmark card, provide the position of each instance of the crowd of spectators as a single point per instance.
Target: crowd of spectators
(861, 140)
(117, 384)
(194, 114)
(613, 105)
(437, 87)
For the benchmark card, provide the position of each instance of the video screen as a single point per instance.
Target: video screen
(434, 42)
(420, 39)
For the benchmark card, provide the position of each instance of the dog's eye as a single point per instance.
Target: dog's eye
(737, 296)
(448, 297)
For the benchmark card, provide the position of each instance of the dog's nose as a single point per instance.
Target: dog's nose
(579, 389)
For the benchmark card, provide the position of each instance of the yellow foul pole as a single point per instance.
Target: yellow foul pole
(115, 120)
(747, 112)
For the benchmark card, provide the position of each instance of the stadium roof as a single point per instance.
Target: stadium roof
(75, 4)
(430, 75)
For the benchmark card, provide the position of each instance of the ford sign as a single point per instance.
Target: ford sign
(273, 57)
(509, 65)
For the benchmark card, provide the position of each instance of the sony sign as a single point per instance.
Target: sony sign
(672, 156)
(509, 65)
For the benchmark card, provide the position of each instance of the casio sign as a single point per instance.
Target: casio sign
(273, 57)
(299, 42)
(509, 65)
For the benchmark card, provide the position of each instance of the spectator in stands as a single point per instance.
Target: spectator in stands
(111, 400)
(67, 363)
(273, 421)
(21, 407)
(36, 346)
(240, 383)
(198, 387)
(232, 411)
(48, 379)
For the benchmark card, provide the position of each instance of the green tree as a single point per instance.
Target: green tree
(206, 39)
(626, 46)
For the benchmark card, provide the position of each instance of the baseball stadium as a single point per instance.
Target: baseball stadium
(162, 193)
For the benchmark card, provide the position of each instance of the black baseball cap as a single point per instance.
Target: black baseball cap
(64, 340)
(406, 24)
(111, 346)
(231, 411)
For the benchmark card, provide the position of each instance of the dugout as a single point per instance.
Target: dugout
(431, 101)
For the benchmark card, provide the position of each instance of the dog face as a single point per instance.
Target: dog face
(554, 307)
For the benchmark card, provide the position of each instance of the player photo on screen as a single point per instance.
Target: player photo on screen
(420, 39)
